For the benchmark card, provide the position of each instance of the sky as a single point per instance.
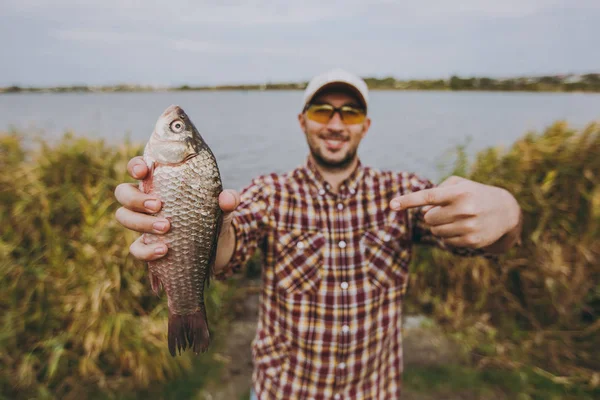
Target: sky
(166, 43)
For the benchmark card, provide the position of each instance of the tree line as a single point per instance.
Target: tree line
(548, 83)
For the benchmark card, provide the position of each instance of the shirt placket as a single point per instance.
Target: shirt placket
(342, 241)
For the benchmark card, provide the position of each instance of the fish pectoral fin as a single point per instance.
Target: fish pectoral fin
(156, 283)
(213, 250)
(146, 183)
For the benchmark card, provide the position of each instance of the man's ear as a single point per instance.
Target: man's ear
(366, 126)
(302, 122)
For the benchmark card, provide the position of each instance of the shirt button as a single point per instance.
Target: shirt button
(345, 329)
(352, 190)
(337, 397)
(344, 285)
(300, 245)
(342, 365)
(340, 206)
(342, 244)
(321, 192)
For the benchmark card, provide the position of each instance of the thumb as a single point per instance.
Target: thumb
(228, 201)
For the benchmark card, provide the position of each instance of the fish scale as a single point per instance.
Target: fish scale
(185, 177)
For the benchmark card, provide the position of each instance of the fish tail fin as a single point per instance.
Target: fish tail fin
(189, 330)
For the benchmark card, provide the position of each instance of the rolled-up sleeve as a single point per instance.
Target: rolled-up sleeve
(250, 220)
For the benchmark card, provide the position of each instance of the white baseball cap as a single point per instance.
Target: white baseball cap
(337, 76)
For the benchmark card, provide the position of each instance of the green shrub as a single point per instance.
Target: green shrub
(78, 315)
(540, 305)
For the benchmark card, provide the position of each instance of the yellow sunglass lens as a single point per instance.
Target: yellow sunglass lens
(322, 114)
(352, 115)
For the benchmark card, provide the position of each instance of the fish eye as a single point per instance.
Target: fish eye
(177, 126)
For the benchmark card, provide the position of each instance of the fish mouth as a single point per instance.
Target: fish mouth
(173, 112)
(173, 108)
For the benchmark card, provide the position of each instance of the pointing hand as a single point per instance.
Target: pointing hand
(463, 212)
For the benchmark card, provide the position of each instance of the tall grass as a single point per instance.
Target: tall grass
(78, 318)
(77, 314)
(540, 306)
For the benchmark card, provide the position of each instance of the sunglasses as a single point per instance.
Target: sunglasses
(322, 113)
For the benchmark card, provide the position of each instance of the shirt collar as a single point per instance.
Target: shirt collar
(349, 186)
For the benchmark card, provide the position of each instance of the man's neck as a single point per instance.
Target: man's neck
(335, 176)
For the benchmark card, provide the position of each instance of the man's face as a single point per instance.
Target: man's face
(334, 144)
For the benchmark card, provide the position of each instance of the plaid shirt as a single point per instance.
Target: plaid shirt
(334, 275)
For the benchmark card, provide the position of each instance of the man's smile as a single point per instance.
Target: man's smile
(334, 144)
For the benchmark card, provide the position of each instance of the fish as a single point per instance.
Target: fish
(185, 177)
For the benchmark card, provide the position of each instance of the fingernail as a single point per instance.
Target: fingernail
(138, 170)
(395, 204)
(159, 226)
(151, 204)
(160, 250)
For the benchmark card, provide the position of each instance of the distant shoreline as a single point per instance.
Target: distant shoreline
(585, 83)
(66, 91)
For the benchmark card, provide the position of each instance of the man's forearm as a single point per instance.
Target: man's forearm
(225, 249)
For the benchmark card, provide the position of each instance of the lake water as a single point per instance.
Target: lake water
(253, 133)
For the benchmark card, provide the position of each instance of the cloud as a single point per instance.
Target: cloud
(262, 12)
(104, 37)
(252, 41)
(270, 12)
(205, 46)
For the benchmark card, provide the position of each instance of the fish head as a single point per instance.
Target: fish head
(174, 125)
(175, 137)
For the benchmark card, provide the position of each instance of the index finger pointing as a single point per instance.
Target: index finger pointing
(435, 197)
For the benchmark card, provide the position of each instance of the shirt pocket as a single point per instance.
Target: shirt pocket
(385, 259)
(299, 261)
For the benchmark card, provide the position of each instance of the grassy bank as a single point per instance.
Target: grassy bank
(468, 383)
(539, 308)
(79, 319)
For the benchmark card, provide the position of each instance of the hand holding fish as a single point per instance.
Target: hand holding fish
(467, 214)
(137, 207)
(182, 190)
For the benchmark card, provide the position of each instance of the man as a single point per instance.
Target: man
(337, 240)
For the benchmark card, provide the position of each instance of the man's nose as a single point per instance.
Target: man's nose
(335, 122)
